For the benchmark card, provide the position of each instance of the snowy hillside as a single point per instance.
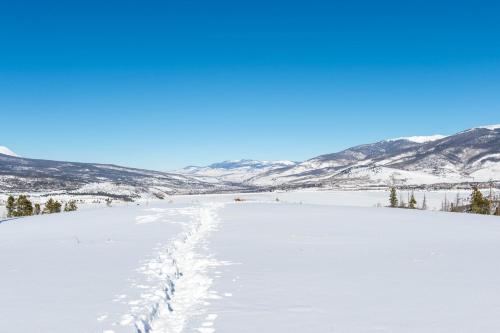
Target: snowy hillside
(468, 156)
(23, 175)
(7, 151)
(235, 171)
(420, 139)
(206, 264)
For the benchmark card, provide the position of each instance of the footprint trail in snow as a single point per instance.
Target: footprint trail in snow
(178, 276)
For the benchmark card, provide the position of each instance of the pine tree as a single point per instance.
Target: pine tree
(24, 206)
(424, 203)
(48, 206)
(37, 209)
(479, 204)
(57, 207)
(393, 199)
(445, 206)
(412, 202)
(70, 206)
(52, 206)
(11, 206)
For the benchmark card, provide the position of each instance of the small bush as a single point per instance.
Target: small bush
(70, 206)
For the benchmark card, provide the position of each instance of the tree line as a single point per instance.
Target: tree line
(22, 206)
(477, 203)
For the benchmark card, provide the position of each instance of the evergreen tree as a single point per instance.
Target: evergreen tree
(48, 206)
(424, 203)
(52, 206)
(393, 199)
(57, 207)
(497, 211)
(445, 206)
(70, 206)
(37, 209)
(412, 202)
(24, 206)
(479, 204)
(11, 206)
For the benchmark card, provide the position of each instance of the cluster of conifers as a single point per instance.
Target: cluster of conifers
(477, 203)
(22, 206)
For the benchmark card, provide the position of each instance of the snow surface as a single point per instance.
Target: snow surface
(105, 270)
(420, 139)
(306, 261)
(330, 269)
(490, 127)
(7, 151)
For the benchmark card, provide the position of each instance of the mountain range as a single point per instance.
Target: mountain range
(24, 175)
(235, 171)
(468, 156)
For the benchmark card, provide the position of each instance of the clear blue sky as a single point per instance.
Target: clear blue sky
(163, 84)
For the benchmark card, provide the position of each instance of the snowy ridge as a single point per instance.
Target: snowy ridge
(234, 171)
(181, 273)
(420, 139)
(490, 127)
(7, 151)
(468, 156)
(24, 175)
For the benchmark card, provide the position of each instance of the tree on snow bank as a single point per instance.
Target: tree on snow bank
(21, 206)
(393, 199)
(52, 206)
(70, 206)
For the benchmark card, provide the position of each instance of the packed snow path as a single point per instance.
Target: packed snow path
(210, 265)
(183, 279)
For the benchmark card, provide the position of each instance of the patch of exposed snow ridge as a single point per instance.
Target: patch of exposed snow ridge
(490, 127)
(420, 139)
(247, 163)
(7, 151)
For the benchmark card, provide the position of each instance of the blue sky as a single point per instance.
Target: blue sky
(163, 84)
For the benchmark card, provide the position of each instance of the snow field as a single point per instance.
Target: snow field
(312, 268)
(310, 261)
(96, 270)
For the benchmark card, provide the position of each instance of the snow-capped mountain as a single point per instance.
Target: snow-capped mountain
(23, 175)
(234, 171)
(469, 156)
(420, 139)
(7, 151)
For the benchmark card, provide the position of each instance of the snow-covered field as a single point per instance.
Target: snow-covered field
(378, 198)
(307, 262)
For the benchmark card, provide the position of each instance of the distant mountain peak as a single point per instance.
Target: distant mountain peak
(490, 127)
(235, 170)
(7, 151)
(231, 164)
(420, 139)
(471, 155)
